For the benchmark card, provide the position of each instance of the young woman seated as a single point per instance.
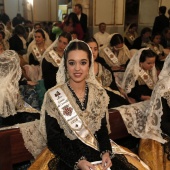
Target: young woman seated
(115, 53)
(140, 75)
(105, 76)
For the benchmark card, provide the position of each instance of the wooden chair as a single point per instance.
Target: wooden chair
(12, 149)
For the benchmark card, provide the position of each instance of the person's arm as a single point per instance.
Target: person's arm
(68, 150)
(32, 60)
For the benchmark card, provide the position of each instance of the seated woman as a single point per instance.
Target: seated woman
(150, 121)
(116, 54)
(38, 46)
(143, 39)
(140, 75)
(157, 48)
(51, 59)
(130, 35)
(105, 77)
(4, 41)
(12, 108)
(74, 116)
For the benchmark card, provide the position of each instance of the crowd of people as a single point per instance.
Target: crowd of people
(60, 81)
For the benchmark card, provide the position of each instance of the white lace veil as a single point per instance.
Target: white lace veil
(10, 74)
(61, 74)
(132, 72)
(33, 43)
(46, 53)
(143, 120)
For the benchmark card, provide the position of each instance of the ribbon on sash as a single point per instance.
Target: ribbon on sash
(73, 120)
(111, 56)
(55, 57)
(37, 54)
(146, 78)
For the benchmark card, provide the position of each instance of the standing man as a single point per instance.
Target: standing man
(101, 36)
(161, 21)
(81, 16)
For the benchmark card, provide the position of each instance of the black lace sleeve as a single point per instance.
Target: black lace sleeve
(60, 145)
(103, 137)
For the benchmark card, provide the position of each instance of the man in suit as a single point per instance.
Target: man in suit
(81, 16)
(161, 21)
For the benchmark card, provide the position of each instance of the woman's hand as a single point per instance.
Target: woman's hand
(106, 161)
(85, 165)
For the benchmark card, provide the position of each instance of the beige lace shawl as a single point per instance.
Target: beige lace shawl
(143, 119)
(104, 76)
(96, 109)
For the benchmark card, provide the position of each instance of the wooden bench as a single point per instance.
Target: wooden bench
(118, 128)
(12, 149)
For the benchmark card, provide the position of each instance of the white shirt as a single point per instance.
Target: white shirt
(101, 38)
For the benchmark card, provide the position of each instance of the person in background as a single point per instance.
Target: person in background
(18, 42)
(81, 17)
(9, 27)
(31, 33)
(13, 109)
(115, 53)
(52, 57)
(18, 20)
(140, 75)
(165, 40)
(3, 41)
(157, 48)
(143, 39)
(4, 17)
(105, 77)
(101, 36)
(130, 35)
(161, 21)
(73, 24)
(7, 33)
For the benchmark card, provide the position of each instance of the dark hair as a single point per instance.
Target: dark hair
(20, 30)
(153, 36)
(102, 23)
(116, 39)
(162, 9)
(66, 35)
(3, 34)
(74, 19)
(133, 25)
(91, 39)
(41, 32)
(147, 54)
(37, 24)
(79, 6)
(144, 30)
(79, 45)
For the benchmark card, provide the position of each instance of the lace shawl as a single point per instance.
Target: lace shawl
(33, 43)
(104, 76)
(10, 74)
(143, 119)
(123, 55)
(46, 54)
(95, 111)
(97, 102)
(132, 72)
